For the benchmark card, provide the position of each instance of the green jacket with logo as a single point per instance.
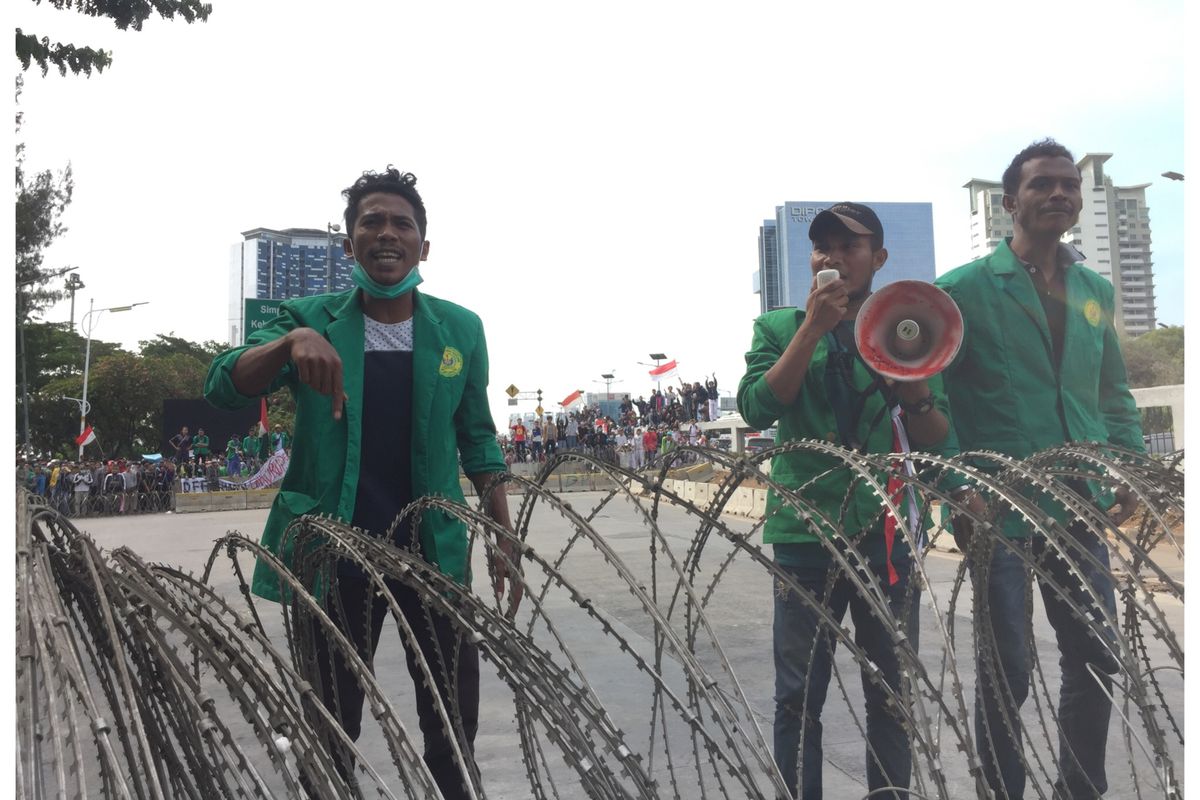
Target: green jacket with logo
(450, 376)
(811, 416)
(1006, 393)
(200, 444)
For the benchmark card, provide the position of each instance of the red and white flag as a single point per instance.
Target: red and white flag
(572, 399)
(262, 418)
(667, 370)
(87, 437)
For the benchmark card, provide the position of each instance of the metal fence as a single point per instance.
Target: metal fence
(139, 680)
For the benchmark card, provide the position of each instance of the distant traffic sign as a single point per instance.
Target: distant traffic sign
(540, 411)
(512, 390)
(258, 314)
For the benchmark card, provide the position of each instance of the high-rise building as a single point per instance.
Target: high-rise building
(1113, 234)
(784, 273)
(279, 265)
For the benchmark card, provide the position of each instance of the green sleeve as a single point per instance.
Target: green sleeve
(757, 404)
(473, 425)
(218, 386)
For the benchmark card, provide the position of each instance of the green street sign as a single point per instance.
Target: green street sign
(258, 314)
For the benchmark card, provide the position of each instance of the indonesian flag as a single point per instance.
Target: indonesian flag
(87, 437)
(262, 418)
(572, 399)
(667, 370)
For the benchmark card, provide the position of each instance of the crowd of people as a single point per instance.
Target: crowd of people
(643, 431)
(90, 488)
(193, 453)
(133, 486)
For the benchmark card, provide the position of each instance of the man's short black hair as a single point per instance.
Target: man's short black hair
(391, 181)
(1045, 148)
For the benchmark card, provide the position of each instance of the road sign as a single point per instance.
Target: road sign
(512, 390)
(258, 314)
(539, 411)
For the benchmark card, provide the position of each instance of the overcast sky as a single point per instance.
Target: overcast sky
(595, 175)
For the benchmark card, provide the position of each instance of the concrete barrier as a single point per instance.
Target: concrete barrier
(237, 500)
(745, 502)
(574, 482)
(742, 502)
(602, 482)
(759, 505)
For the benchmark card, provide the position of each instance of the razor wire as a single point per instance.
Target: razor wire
(139, 680)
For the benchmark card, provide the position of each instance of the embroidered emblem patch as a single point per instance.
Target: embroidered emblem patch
(452, 363)
(1091, 312)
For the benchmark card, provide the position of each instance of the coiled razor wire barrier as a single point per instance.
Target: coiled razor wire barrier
(633, 672)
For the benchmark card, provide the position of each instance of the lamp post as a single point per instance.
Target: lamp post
(330, 229)
(87, 323)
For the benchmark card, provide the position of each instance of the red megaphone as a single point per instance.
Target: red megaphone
(908, 330)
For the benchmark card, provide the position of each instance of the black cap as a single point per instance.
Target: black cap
(854, 217)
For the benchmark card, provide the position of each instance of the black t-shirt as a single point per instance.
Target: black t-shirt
(385, 462)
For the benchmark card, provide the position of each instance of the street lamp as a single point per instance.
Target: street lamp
(1175, 176)
(609, 380)
(87, 323)
(330, 229)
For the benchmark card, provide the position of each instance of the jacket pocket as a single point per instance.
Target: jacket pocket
(297, 503)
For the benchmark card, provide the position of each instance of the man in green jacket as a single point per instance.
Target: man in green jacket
(803, 370)
(1040, 366)
(390, 388)
(200, 446)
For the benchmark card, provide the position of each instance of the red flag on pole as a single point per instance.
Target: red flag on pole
(87, 437)
(262, 418)
(667, 370)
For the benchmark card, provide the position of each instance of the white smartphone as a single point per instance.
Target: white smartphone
(825, 276)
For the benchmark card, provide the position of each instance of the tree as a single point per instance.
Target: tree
(124, 401)
(124, 14)
(41, 200)
(1155, 358)
(170, 344)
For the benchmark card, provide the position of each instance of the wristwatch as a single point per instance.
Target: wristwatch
(922, 406)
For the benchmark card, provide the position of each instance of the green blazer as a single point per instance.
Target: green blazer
(450, 377)
(811, 416)
(1006, 393)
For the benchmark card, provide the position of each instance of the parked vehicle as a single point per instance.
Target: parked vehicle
(756, 444)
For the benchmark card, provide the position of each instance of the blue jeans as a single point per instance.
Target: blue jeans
(1083, 705)
(802, 675)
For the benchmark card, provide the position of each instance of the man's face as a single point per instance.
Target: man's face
(1048, 199)
(184, 430)
(851, 255)
(385, 239)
